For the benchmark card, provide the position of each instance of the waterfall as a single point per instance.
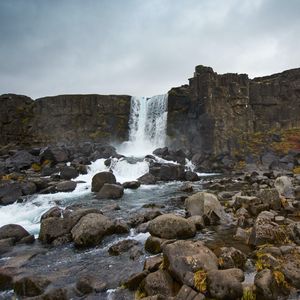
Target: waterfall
(147, 125)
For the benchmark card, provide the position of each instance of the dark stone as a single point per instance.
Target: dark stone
(30, 286)
(122, 246)
(161, 152)
(131, 184)
(88, 284)
(171, 172)
(100, 179)
(6, 279)
(68, 173)
(66, 186)
(147, 179)
(187, 293)
(10, 192)
(28, 188)
(14, 231)
(191, 176)
(134, 280)
(110, 191)
(21, 160)
(54, 154)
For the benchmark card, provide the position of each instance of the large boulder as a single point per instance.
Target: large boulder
(171, 226)
(184, 258)
(10, 192)
(110, 191)
(271, 197)
(91, 229)
(66, 186)
(21, 160)
(147, 179)
(30, 286)
(100, 179)
(283, 184)
(205, 204)
(225, 284)
(170, 172)
(68, 173)
(54, 154)
(14, 231)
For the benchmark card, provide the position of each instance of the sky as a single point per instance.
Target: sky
(140, 47)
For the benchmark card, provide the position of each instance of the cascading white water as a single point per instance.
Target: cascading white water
(147, 125)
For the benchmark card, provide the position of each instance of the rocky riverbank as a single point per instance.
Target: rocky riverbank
(170, 233)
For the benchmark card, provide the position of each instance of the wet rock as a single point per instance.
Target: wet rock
(135, 252)
(161, 152)
(55, 294)
(54, 212)
(184, 258)
(291, 268)
(147, 179)
(152, 263)
(191, 176)
(134, 280)
(14, 231)
(242, 235)
(283, 185)
(6, 245)
(122, 246)
(68, 173)
(154, 245)
(66, 186)
(10, 192)
(120, 226)
(171, 226)
(231, 257)
(100, 179)
(204, 204)
(187, 293)
(30, 286)
(266, 286)
(131, 185)
(245, 202)
(266, 231)
(186, 187)
(6, 279)
(90, 230)
(225, 284)
(110, 191)
(88, 284)
(170, 172)
(144, 217)
(159, 282)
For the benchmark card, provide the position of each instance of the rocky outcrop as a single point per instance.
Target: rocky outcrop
(24, 121)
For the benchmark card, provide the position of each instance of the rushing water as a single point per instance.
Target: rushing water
(147, 125)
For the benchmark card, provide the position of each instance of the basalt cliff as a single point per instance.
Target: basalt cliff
(227, 117)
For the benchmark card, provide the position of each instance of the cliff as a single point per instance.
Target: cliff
(63, 119)
(236, 117)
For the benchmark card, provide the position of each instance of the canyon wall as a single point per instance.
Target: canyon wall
(63, 119)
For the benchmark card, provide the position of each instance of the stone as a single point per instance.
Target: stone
(231, 257)
(131, 185)
(170, 172)
(21, 160)
(171, 226)
(290, 268)
(225, 284)
(133, 282)
(184, 258)
(271, 197)
(187, 293)
(161, 152)
(28, 188)
(283, 185)
(245, 202)
(54, 154)
(6, 245)
(66, 186)
(110, 191)
(153, 263)
(91, 229)
(147, 179)
(14, 231)
(186, 187)
(159, 282)
(122, 246)
(6, 279)
(10, 192)
(204, 204)
(191, 176)
(30, 286)
(68, 173)
(155, 244)
(100, 179)
(198, 222)
(120, 226)
(88, 284)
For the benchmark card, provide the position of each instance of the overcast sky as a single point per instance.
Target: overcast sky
(140, 47)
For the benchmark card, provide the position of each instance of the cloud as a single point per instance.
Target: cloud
(140, 47)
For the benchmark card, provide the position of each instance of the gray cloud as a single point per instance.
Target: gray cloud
(140, 47)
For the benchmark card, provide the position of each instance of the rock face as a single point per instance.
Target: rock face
(83, 118)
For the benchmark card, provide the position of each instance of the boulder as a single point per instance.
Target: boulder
(191, 176)
(91, 229)
(100, 179)
(131, 185)
(10, 192)
(14, 231)
(171, 226)
(283, 185)
(88, 284)
(54, 154)
(133, 282)
(271, 197)
(187, 293)
(122, 246)
(30, 286)
(6, 279)
(231, 257)
(66, 186)
(161, 152)
(153, 263)
(6, 245)
(154, 245)
(184, 258)
(110, 191)
(28, 188)
(147, 179)
(21, 160)
(204, 204)
(68, 173)
(159, 282)
(225, 284)
(169, 172)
